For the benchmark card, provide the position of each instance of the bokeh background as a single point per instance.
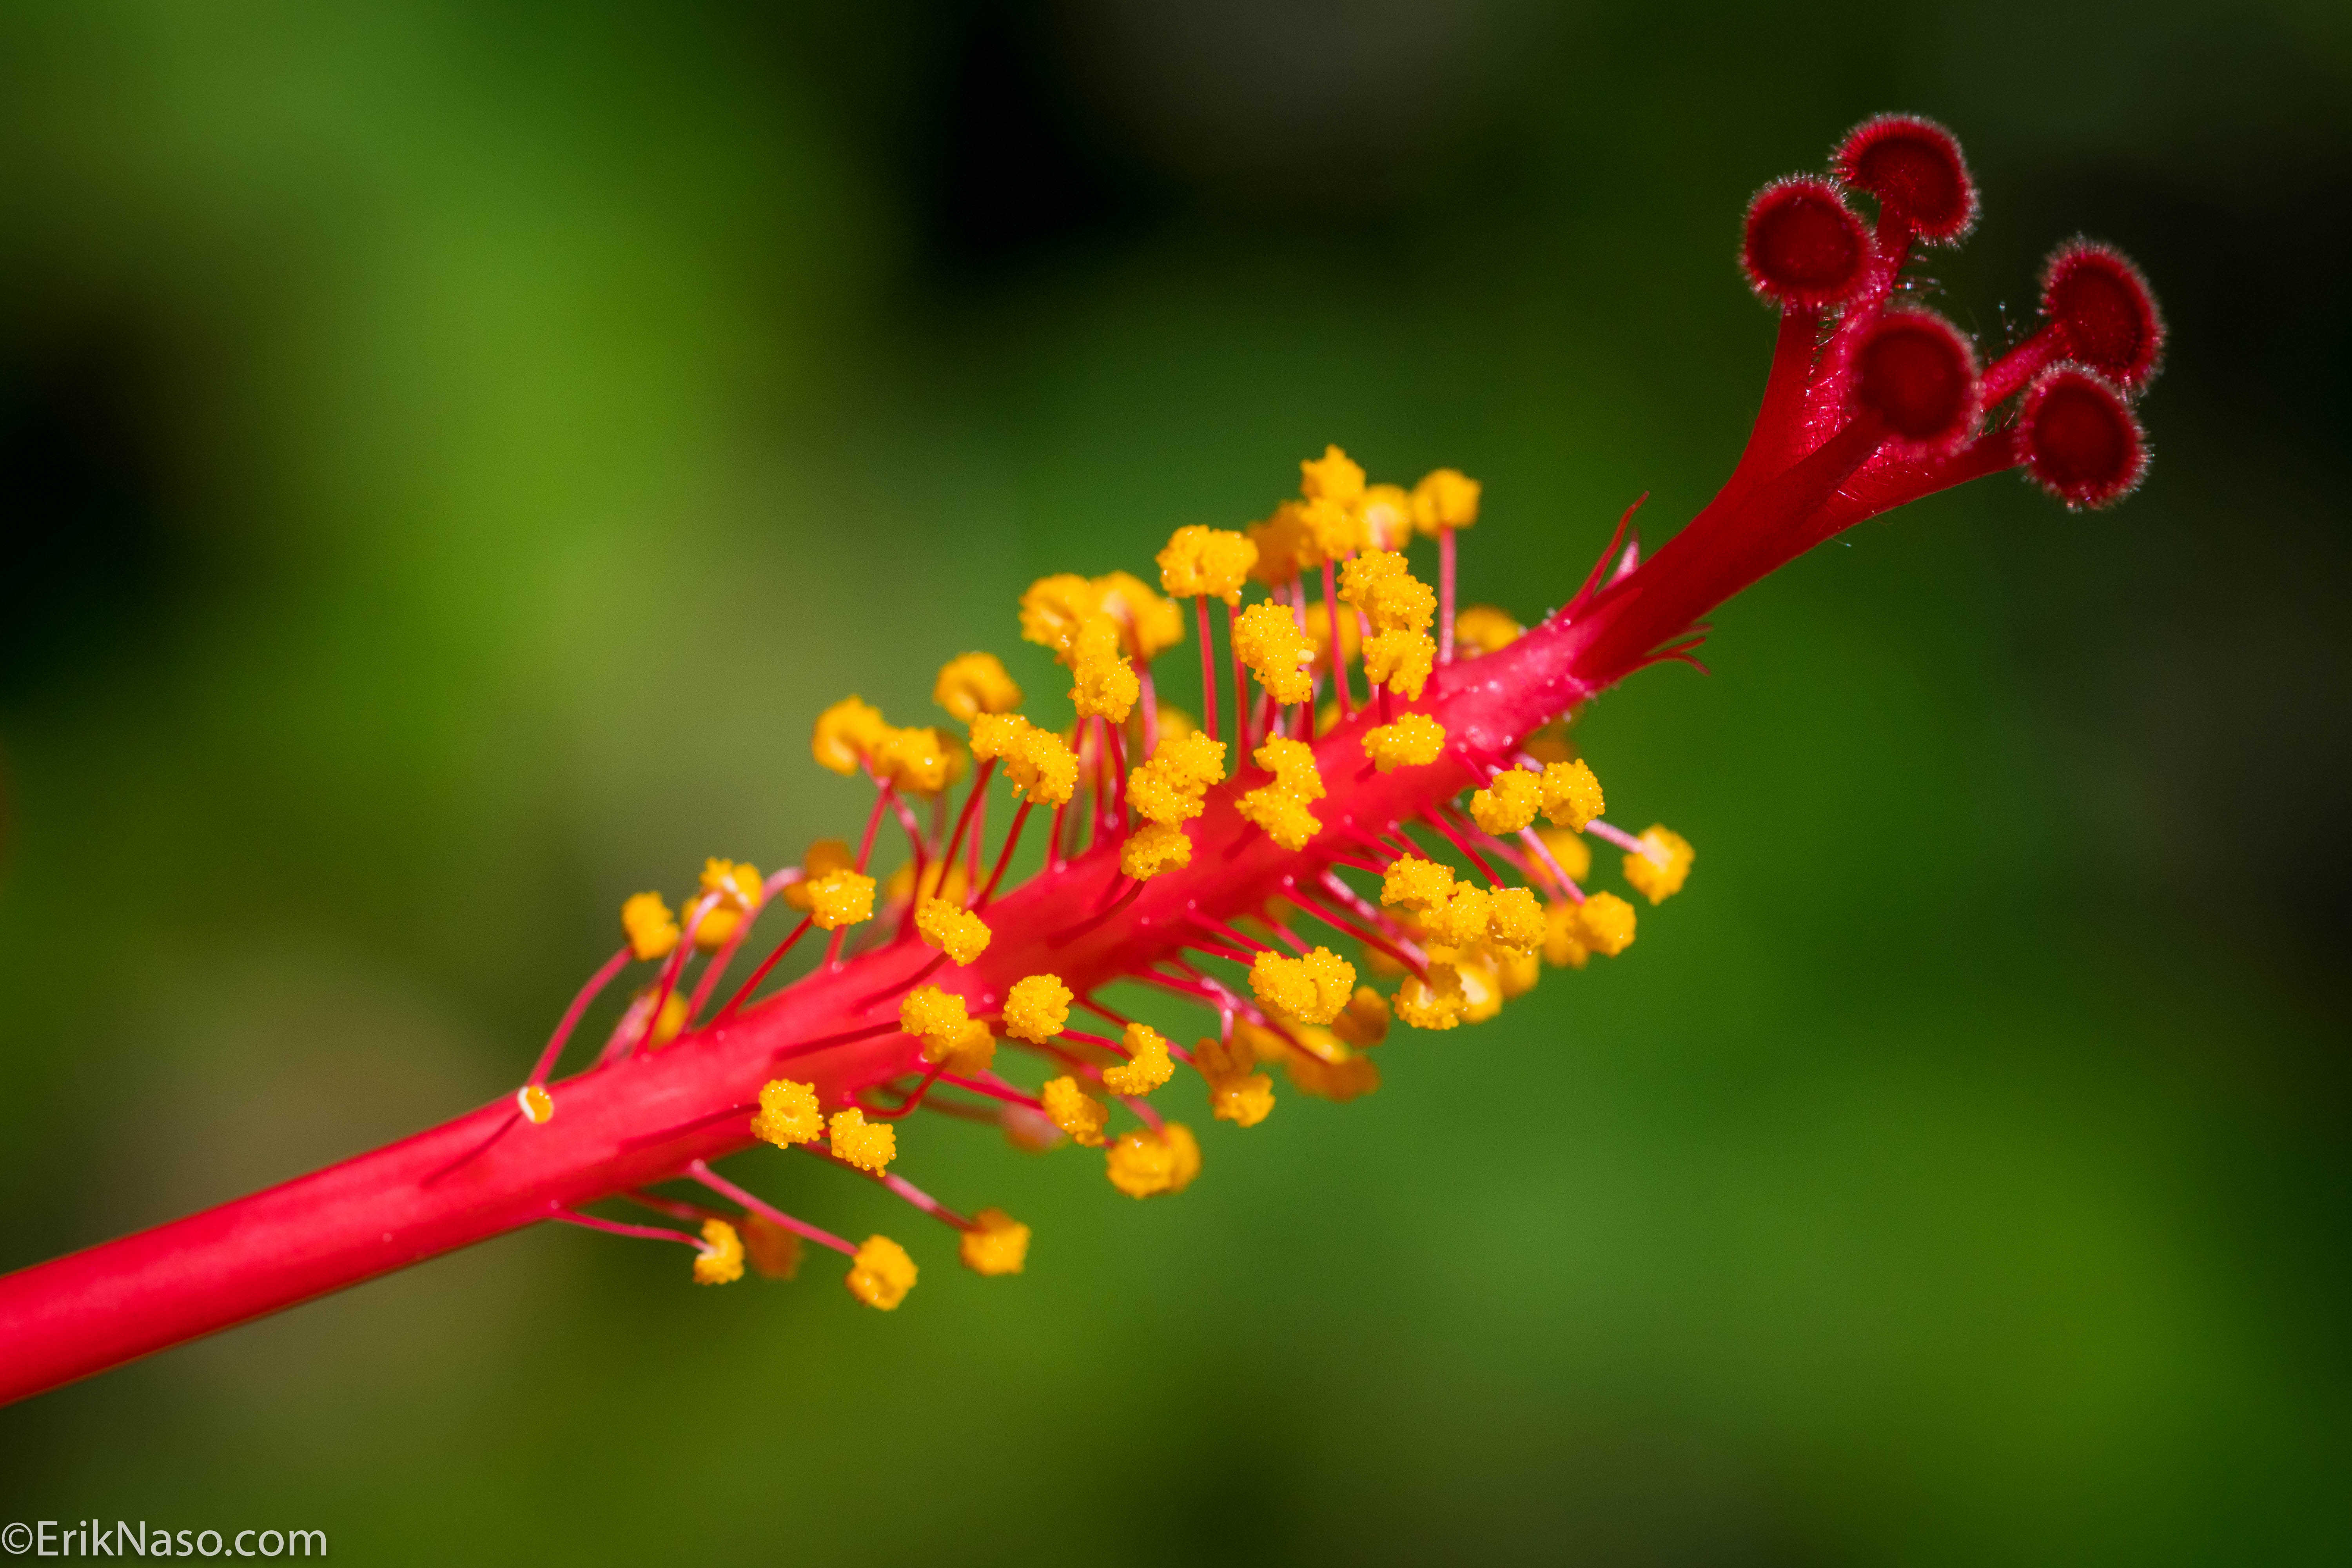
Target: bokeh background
(449, 453)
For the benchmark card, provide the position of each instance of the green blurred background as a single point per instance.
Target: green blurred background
(451, 452)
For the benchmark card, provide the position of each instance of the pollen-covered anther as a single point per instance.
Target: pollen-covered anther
(1074, 1110)
(995, 1244)
(919, 760)
(651, 928)
(1916, 373)
(1508, 803)
(1311, 989)
(1413, 883)
(1267, 639)
(1657, 870)
(881, 1274)
(1103, 685)
(1152, 625)
(739, 890)
(1391, 598)
(1461, 919)
(1572, 793)
(868, 1145)
(721, 1259)
(537, 1107)
(667, 1026)
(1483, 628)
(1401, 660)
(2098, 302)
(1211, 561)
(1605, 924)
(1169, 788)
(1147, 1066)
(1415, 740)
(1433, 1004)
(1236, 1093)
(1055, 609)
(952, 929)
(1914, 168)
(1385, 515)
(824, 856)
(1041, 765)
(846, 735)
(972, 684)
(1037, 1008)
(1515, 922)
(1803, 246)
(937, 1018)
(841, 899)
(1143, 1163)
(1334, 477)
(1154, 848)
(2081, 440)
(1281, 808)
(788, 1114)
(1445, 498)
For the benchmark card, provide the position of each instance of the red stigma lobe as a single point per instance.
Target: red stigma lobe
(2081, 441)
(1805, 246)
(2105, 311)
(1915, 169)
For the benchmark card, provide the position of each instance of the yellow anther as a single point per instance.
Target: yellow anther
(1144, 1162)
(974, 1052)
(1267, 639)
(841, 899)
(537, 1107)
(1435, 1003)
(1414, 740)
(918, 761)
(1042, 767)
(1564, 938)
(938, 882)
(1339, 1077)
(667, 1026)
(1280, 541)
(1605, 921)
(1520, 969)
(1251, 1045)
(1311, 989)
(1483, 628)
(788, 1114)
(1037, 1008)
(1445, 498)
(1206, 560)
(996, 1243)
(1392, 597)
(1105, 685)
(1153, 625)
(1551, 743)
(1334, 531)
(1401, 661)
(1318, 632)
(1479, 969)
(1055, 608)
(869, 1146)
(937, 1018)
(1571, 849)
(1364, 1021)
(847, 734)
(1657, 871)
(720, 1260)
(1244, 1098)
(1460, 920)
(1152, 848)
(824, 856)
(972, 684)
(997, 735)
(1175, 722)
(952, 929)
(1074, 1110)
(774, 1252)
(1515, 922)
(1332, 478)
(739, 890)
(1413, 883)
(651, 928)
(881, 1274)
(1281, 808)
(1147, 1066)
(1572, 796)
(1509, 803)
(1168, 788)
(1387, 514)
